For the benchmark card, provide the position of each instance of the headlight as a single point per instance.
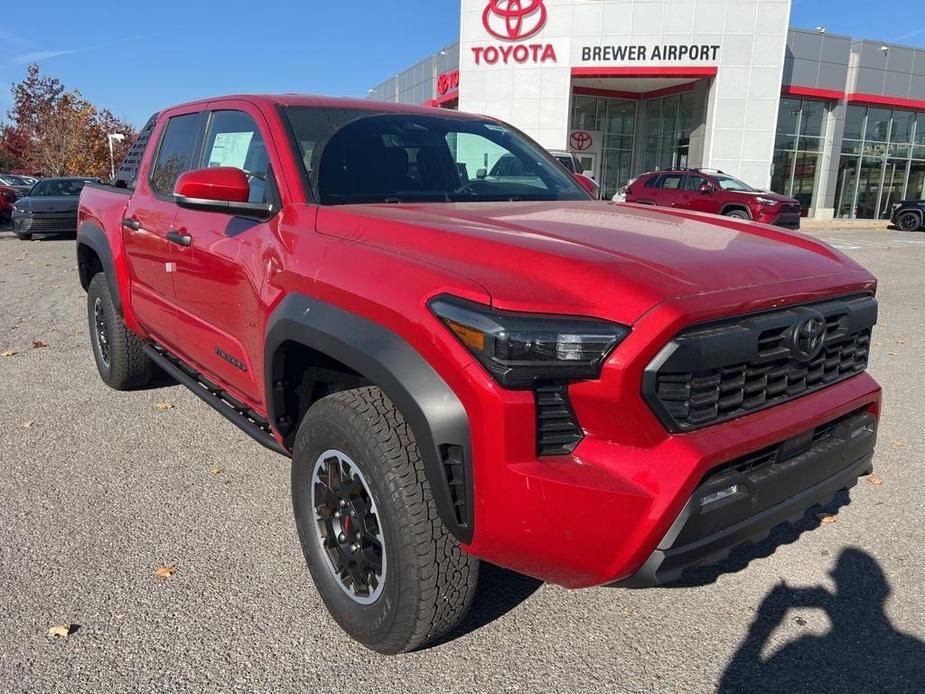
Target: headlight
(518, 349)
(770, 202)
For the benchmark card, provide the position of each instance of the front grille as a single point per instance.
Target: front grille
(714, 373)
(57, 222)
(557, 429)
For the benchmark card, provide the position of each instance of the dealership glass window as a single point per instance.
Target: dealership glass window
(882, 161)
(615, 120)
(800, 132)
(668, 126)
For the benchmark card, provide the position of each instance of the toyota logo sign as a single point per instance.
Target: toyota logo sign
(581, 140)
(807, 335)
(513, 20)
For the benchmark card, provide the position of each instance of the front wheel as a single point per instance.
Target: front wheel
(908, 221)
(387, 569)
(737, 214)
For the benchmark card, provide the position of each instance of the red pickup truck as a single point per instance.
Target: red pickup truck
(464, 367)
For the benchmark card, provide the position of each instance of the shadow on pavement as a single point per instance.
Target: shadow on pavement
(863, 652)
(499, 591)
(741, 557)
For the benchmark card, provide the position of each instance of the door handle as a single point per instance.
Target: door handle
(132, 224)
(179, 239)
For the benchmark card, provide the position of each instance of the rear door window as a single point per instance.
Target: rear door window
(671, 182)
(176, 151)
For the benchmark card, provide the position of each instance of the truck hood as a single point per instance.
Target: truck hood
(763, 194)
(595, 258)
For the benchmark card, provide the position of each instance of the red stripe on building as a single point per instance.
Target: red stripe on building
(812, 92)
(666, 72)
(895, 102)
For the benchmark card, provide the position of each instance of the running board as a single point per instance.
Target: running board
(229, 407)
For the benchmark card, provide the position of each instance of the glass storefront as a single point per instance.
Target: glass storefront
(615, 120)
(669, 122)
(800, 133)
(882, 161)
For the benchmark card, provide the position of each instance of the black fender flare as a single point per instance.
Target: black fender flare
(435, 414)
(93, 237)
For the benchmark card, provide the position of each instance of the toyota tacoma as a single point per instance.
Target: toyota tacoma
(467, 368)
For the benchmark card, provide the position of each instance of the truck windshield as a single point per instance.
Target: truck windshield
(355, 156)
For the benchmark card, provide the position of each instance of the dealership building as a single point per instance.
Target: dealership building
(636, 85)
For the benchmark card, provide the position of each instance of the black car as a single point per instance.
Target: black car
(909, 215)
(50, 207)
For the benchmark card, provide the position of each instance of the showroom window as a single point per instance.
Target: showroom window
(882, 161)
(800, 133)
(669, 122)
(615, 120)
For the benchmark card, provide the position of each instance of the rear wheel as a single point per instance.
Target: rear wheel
(908, 221)
(118, 352)
(737, 214)
(387, 569)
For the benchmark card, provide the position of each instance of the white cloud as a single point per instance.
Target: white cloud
(36, 56)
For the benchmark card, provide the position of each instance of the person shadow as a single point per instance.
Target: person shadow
(863, 651)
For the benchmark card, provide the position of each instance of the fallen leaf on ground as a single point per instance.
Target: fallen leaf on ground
(163, 406)
(28, 424)
(165, 571)
(827, 518)
(59, 631)
(874, 480)
(899, 444)
(893, 354)
(38, 344)
(900, 342)
(8, 353)
(118, 615)
(216, 470)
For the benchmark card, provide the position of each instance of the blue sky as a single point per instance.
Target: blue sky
(135, 61)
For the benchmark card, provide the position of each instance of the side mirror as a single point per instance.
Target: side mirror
(481, 173)
(706, 188)
(218, 189)
(589, 184)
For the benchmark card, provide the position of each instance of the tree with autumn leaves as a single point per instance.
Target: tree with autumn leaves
(54, 131)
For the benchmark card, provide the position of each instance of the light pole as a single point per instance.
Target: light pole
(118, 137)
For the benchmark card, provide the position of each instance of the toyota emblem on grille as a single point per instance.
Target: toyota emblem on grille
(807, 335)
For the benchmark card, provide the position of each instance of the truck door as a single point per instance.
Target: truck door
(148, 220)
(220, 273)
(696, 198)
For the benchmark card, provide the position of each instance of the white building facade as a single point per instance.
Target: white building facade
(637, 85)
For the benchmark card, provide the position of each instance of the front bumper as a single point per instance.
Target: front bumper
(745, 501)
(57, 223)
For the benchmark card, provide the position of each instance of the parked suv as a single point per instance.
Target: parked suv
(908, 215)
(715, 192)
(461, 369)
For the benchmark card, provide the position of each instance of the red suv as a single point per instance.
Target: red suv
(714, 192)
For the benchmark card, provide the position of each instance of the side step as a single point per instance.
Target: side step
(230, 408)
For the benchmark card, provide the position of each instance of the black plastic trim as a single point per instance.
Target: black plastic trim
(717, 344)
(850, 456)
(227, 406)
(95, 238)
(436, 416)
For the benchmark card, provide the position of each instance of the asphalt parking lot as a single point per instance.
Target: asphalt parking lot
(98, 489)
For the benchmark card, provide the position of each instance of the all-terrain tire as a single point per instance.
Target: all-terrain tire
(118, 352)
(428, 583)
